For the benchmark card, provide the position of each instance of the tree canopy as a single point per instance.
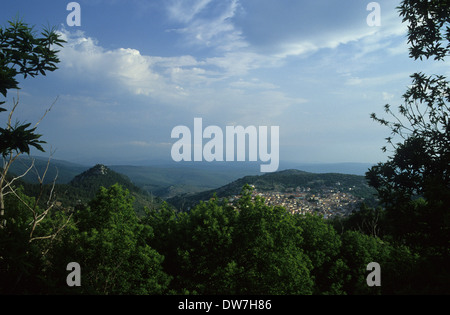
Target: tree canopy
(414, 184)
(23, 52)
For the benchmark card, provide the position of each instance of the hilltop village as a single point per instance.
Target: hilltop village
(327, 202)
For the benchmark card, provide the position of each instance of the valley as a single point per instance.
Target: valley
(183, 186)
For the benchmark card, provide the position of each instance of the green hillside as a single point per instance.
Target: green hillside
(282, 181)
(171, 180)
(100, 175)
(83, 188)
(159, 180)
(180, 186)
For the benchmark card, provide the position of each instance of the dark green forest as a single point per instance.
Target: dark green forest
(214, 249)
(248, 248)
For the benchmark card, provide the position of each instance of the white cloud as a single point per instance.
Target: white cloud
(185, 10)
(374, 81)
(240, 63)
(365, 39)
(124, 69)
(388, 96)
(296, 49)
(253, 84)
(208, 23)
(209, 85)
(219, 83)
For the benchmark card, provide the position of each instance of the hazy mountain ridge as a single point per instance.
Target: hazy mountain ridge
(169, 179)
(183, 186)
(61, 170)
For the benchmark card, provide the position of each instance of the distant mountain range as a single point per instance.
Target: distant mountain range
(63, 171)
(83, 187)
(170, 179)
(184, 186)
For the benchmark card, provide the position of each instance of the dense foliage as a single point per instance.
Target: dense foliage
(414, 184)
(23, 53)
(214, 249)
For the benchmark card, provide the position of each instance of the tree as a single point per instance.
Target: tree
(269, 258)
(218, 248)
(22, 52)
(322, 245)
(166, 237)
(428, 32)
(420, 165)
(108, 242)
(21, 262)
(204, 249)
(367, 220)
(398, 265)
(32, 228)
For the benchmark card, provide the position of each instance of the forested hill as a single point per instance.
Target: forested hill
(283, 181)
(100, 175)
(84, 187)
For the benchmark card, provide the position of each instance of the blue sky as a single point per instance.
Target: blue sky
(136, 69)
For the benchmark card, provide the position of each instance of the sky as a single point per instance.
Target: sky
(135, 69)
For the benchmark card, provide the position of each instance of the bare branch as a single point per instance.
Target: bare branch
(9, 183)
(15, 103)
(46, 112)
(52, 236)
(50, 204)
